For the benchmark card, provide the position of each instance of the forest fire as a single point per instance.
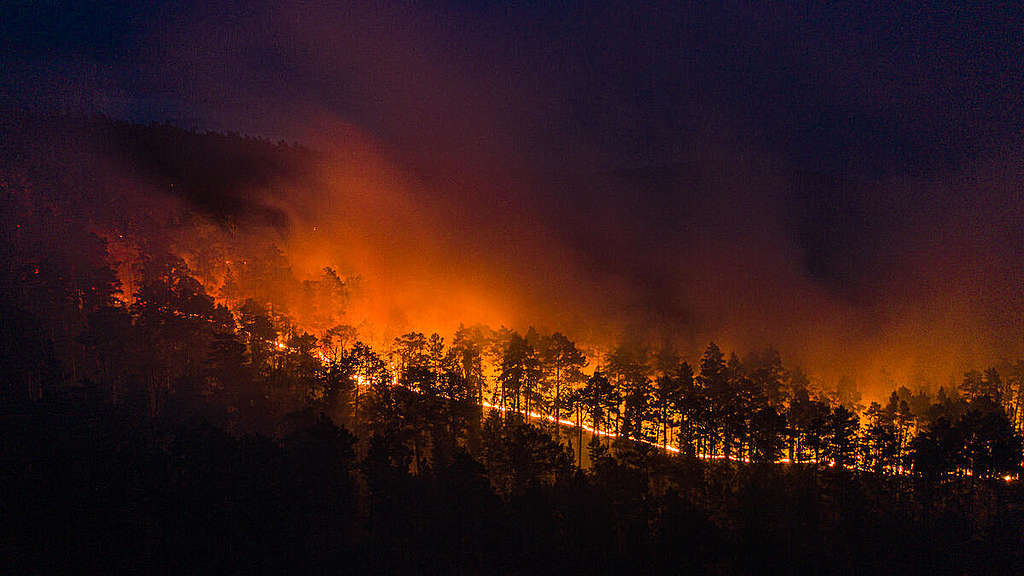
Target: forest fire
(482, 288)
(586, 399)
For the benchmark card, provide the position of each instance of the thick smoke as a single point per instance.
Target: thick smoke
(689, 174)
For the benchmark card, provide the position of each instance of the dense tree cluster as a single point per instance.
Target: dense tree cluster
(170, 405)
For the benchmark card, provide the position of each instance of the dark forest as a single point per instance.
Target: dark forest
(153, 419)
(472, 287)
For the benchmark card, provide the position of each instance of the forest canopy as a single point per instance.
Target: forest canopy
(176, 318)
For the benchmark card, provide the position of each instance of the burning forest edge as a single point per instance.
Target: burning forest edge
(212, 361)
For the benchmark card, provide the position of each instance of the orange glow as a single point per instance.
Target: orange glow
(428, 254)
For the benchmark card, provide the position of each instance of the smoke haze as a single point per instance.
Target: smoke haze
(758, 178)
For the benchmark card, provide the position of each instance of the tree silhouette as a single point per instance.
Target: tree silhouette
(468, 346)
(562, 364)
(714, 384)
(841, 436)
(690, 405)
(627, 368)
(520, 374)
(767, 434)
(175, 319)
(601, 400)
(667, 394)
(880, 446)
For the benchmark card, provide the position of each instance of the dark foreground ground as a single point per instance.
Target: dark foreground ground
(87, 490)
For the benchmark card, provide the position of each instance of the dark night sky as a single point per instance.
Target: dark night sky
(763, 174)
(837, 88)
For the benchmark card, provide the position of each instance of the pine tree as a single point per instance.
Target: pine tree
(714, 383)
(562, 364)
(841, 436)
